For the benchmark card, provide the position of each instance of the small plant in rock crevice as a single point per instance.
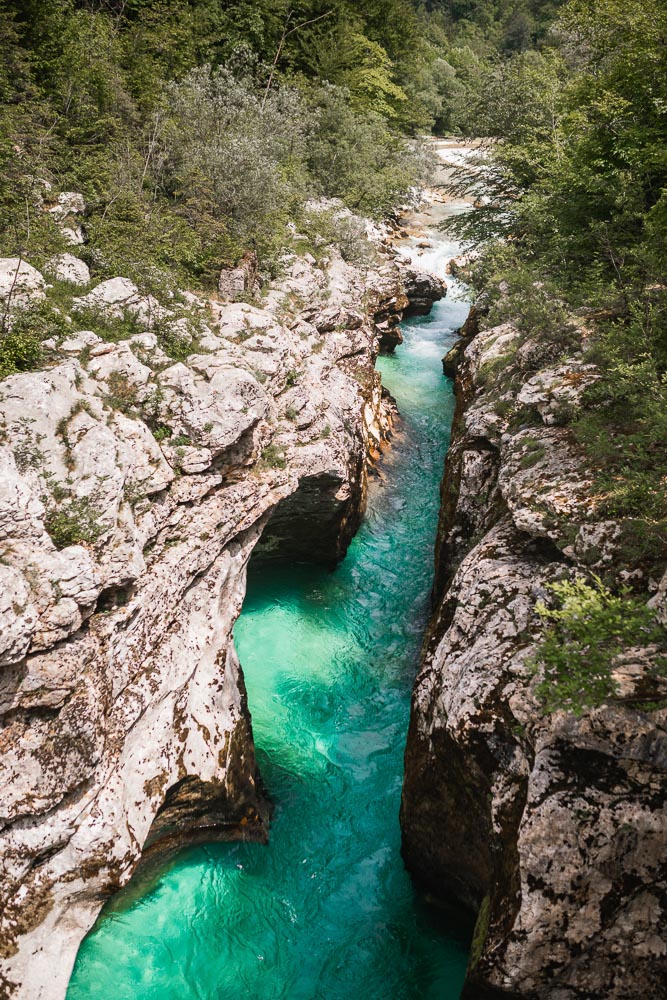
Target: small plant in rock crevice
(589, 627)
(74, 522)
(123, 394)
(273, 457)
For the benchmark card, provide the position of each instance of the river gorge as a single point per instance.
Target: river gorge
(208, 686)
(326, 909)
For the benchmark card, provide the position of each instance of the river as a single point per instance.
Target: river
(326, 910)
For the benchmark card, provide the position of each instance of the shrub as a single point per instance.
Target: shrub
(623, 430)
(229, 153)
(354, 155)
(161, 432)
(74, 522)
(108, 327)
(123, 394)
(273, 457)
(20, 342)
(586, 631)
(20, 351)
(347, 233)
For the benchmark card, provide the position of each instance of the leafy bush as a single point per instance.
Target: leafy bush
(354, 155)
(108, 327)
(588, 628)
(20, 351)
(332, 227)
(76, 521)
(20, 342)
(227, 151)
(624, 430)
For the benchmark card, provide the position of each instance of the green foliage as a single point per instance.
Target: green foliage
(624, 429)
(74, 522)
(355, 155)
(516, 296)
(161, 432)
(586, 631)
(21, 340)
(273, 457)
(330, 227)
(20, 351)
(575, 220)
(107, 326)
(228, 153)
(196, 130)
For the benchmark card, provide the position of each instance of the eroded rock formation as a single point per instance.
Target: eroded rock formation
(551, 827)
(133, 490)
(422, 289)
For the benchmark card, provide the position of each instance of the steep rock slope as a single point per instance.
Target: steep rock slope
(133, 491)
(551, 827)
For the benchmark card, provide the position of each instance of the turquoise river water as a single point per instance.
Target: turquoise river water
(326, 911)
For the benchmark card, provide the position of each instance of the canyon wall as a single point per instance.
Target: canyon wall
(551, 827)
(134, 489)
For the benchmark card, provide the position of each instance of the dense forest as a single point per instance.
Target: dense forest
(197, 130)
(571, 234)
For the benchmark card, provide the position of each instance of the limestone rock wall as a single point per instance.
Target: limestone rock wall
(133, 490)
(552, 828)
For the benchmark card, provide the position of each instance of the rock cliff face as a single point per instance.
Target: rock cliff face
(133, 490)
(551, 827)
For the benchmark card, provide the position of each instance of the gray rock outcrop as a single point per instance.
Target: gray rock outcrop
(67, 267)
(20, 284)
(133, 491)
(236, 282)
(422, 289)
(551, 827)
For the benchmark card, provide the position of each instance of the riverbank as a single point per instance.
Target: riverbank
(135, 488)
(136, 492)
(326, 909)
(547, 821)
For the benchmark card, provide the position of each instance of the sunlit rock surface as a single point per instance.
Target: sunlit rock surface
(553, 828)
(133, 490)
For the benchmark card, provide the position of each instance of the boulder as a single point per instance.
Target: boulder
(235, 282)
(422, 289)
(68, 203)
(110, 294)
(73, 235)
(20, 283)
(67, 267)
(215, 414)
(119, 297)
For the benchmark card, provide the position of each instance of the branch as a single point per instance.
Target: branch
(5, 317)
(285, 35)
